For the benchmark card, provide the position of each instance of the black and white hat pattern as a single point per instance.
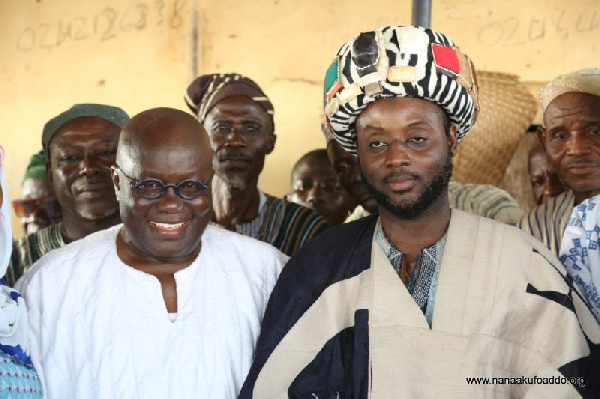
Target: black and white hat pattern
(398, 61)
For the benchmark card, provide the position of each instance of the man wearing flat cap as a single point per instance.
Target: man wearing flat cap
(238, 117)
(422, 300)
(571, 138)
(80, 145)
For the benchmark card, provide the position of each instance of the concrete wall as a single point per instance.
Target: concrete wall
(141, 54)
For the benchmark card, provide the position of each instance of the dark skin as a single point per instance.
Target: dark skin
(81, 154)
(348, 170)
(162, 236)
(571, 138)
(316, 186)
(544, 181)
(406, 135)
(241, 134)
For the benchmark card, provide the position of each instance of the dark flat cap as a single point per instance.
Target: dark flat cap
(111, 114)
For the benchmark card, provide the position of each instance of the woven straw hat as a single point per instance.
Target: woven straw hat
(507, 108)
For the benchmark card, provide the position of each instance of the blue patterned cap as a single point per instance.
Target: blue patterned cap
(398, 61)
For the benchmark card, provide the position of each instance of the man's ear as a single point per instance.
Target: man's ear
(116, 181)
(541, 134)
(49, 172)
(452, 140)
(272, 138)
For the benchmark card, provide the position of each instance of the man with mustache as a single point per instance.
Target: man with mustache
(238, 117)
(481, 199)
(416, 301)
(164, 305)
(571, 138)
(80, 145)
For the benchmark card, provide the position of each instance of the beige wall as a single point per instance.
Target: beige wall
(142, 54)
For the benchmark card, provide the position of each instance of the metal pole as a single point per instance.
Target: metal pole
(421, 13)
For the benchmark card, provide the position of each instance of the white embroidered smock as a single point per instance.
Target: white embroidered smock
(100, 328)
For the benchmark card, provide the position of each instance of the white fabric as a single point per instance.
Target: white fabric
(5, 224)
(108, 333)
(13, 313)
(580, 250)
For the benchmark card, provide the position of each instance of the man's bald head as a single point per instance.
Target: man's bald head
(163, 149)
(164, 128)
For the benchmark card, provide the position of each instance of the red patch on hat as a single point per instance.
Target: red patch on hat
(446, 57)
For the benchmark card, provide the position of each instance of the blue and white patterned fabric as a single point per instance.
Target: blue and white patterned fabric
(18, 379)
(580, 250)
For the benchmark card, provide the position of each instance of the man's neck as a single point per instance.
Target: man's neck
(73, 228)
(234, 207)
(412, 236)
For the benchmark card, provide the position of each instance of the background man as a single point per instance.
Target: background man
(238, 117)
(388, 306)
(38, 208)
(315, 185)
(544, 181)
(163, 306)
(80, 145)
(570, 136)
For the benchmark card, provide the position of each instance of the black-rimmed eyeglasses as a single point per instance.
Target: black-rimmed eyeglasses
(152, 189)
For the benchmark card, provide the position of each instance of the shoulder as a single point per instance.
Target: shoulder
(485, 200)
(229, 243)
(60, 264)
(553, 207)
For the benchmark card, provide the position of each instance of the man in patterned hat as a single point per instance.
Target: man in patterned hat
(238, 117)
(80, 145)
(571, 138)
(421, 300)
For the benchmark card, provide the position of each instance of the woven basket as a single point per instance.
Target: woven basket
(507, 108)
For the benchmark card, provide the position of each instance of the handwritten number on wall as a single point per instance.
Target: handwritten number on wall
(104, 25)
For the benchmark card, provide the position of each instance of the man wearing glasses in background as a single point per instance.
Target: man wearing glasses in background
(80, 145)
(164, 305)
(238, 117)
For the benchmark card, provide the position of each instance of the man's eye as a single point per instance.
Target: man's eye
(68, 158)
(252, 128)
(342, 167)
(221, 128)
(418, 140)
(377, 145)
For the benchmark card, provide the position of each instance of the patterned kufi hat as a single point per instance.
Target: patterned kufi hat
(207, 90)
(582, 81)
(398, 61)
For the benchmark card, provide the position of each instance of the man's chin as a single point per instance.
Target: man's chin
(96, 215)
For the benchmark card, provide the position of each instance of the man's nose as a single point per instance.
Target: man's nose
(578, 144)
(397, 155)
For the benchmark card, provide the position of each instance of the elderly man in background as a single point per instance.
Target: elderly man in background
(238, 117)
(165, 305)
(80, 145)
(38, 208)
(422, 300)
(571, 138)
(315, 185)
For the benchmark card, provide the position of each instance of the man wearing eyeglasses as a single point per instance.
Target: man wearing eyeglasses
(80, 145)
(238, 117)
(164, 305)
